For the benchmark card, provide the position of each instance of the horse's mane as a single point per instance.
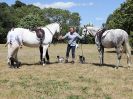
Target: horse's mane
(91, 27)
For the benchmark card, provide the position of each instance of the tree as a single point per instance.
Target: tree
(6, 20)
(30, 21)
(65, 17)
(18, 4)
(30, 16)
(122, 17)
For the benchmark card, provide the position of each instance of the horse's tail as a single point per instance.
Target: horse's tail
(128, 51)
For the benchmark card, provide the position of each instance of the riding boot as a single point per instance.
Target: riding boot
(73, 60)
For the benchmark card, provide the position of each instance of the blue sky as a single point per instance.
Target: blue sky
(91, 11)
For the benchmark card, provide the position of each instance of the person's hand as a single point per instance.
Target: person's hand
(60, 38)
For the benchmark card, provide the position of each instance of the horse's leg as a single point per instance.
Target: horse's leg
(118, 51)
(16, 58)
(101, 55)
(128, 52)
(11, 54)
(47, 56)
(45, 47)
(41, 53)
(102, 50)
(11, 50)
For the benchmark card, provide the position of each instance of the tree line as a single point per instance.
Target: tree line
(30, 16)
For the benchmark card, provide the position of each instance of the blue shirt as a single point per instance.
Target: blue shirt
(72, 38)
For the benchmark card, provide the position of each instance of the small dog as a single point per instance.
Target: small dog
(60, 59)
(81, 59)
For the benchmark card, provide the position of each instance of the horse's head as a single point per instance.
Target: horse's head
(85, 31)
(58, 27)
(90, 30)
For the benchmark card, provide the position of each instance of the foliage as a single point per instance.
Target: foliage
(131, 39)
(29, 16)
(31, 21)
(65, 17)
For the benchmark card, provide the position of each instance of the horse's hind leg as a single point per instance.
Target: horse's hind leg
(11, 54)
(128, 52)
(119, 54)
(101, 55)
(16, 58)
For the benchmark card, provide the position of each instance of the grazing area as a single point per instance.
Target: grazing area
(65, 81)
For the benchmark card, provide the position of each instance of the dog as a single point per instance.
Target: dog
(60, 59)
(81, 59)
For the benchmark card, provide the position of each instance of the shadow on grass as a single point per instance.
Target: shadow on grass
(106, 65)
(110, 51)
(115, 52)
(38, 63)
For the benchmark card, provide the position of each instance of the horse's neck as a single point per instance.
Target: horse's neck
(52, 28)
(95, 31)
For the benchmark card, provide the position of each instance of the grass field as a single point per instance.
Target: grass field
(65, 81)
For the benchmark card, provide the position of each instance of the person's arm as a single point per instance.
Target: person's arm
(80, 37)
(63, 37)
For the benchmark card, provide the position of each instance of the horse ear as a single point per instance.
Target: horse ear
(84, 26)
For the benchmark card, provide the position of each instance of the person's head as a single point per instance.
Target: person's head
(72, 29)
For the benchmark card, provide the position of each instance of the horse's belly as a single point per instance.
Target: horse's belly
(108, 44)
(31, 45)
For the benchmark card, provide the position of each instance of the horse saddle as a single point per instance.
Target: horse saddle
(100, 34)
(40, 33)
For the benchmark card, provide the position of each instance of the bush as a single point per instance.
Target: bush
(88, 40)
(131, 39)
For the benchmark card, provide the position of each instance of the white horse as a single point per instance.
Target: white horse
(114, 38)
(30, 39)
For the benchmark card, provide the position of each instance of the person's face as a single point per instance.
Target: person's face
(71, 30)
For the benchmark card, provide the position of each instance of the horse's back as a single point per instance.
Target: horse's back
(114, 37)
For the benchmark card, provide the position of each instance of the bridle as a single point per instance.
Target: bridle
(91, 33)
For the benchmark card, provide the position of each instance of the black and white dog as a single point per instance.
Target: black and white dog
(60, 59)
(81, 59)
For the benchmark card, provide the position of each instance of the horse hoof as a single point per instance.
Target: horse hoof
(40, 62)
(43, 64)
(116, 67)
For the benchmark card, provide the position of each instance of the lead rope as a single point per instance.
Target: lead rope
(82, 49)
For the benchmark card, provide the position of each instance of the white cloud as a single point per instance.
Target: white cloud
(91, 4)
(99, 19)
(63, 5)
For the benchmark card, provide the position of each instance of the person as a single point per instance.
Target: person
(72, 37)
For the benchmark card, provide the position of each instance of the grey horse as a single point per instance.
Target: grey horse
(114, 38)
